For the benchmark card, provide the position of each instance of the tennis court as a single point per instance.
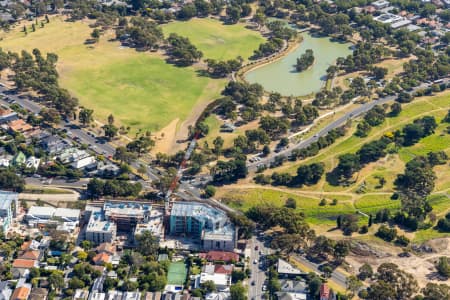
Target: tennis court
(177, 273)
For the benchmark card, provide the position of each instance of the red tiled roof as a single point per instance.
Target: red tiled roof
(220, 255)
(30, 254)
(223, 269)
(23, 263)
(101, 258)
(106, 247)
(20, 293)
(324, 292)
(25, 246)
(19, 125)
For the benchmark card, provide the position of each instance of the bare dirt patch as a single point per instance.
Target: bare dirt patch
(420, 265)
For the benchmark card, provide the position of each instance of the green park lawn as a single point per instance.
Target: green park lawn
(374, 197)
(215, 40)
(139, 88)
(436, 106)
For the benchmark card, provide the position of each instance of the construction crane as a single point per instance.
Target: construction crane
(179, 173)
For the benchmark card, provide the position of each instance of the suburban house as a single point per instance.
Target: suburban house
(21, 293)
(53, 144)
(20, 126)
(107, 248)
(7, 115)
(5, 290)
(101, 258)
(21, 267)
(31, 255)
(221, 279)
(292, 290)
(38, 294)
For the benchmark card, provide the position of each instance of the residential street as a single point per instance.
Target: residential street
(258, 269)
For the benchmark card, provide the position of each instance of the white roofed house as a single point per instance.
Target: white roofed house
(32, 162)
(86, 162)
(222, 280)
(77, 159)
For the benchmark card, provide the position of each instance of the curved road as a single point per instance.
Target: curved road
(363, 108)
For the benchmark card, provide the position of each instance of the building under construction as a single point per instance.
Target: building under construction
(204, 223)
(127, 217)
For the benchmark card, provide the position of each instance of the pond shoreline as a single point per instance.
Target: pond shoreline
(290, 47)
(280, 76)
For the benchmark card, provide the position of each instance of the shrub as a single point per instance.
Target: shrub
(386, 233)
(402, 241)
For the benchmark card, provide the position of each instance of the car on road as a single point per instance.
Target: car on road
(256, 247)
(253, 282)
(255, 262)
(264, 288)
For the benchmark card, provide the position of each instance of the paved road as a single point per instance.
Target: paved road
(337, 277)
(258, 268)
(335, 124)
(25, 103)
(96, 144)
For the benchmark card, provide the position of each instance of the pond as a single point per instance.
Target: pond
(280, 76)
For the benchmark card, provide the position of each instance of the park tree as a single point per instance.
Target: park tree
(50, 116)
(141, 145)
(404, 97)
(291, 203)
(218, 145)
(353, 286)
(402, 285)
(124, 156)
(310, 174)
(85, 116)
(443, 266)
(362, 129)
(365, 272)
(187, 12)
(415, 185)
(379, 72)
(110, 119)
(182, 52)
(396, 109)
(305, 60)
(95, 34)
(233, 13)
(110, 131)
(259, 18)
(210, 191)
(434, 291)
(348, 164)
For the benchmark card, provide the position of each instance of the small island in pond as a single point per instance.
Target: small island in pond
(305, 60)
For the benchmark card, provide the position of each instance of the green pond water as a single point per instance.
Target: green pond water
(280, 76)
